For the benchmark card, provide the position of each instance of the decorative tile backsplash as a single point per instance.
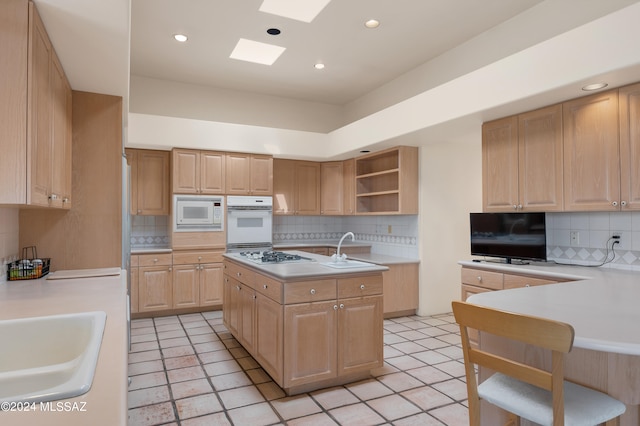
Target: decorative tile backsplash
(150, 232)
(591, 244)
(389, 235)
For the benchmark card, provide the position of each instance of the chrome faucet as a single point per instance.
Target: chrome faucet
(342, 257)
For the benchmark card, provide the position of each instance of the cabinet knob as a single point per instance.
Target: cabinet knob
(342, 306)
(139, 211)
(527, 285)
(515, 207)
(65, 200)
(623, 203)
(264, 286)
(361, 286)
(335, 307)
(170, 269)
(155, 260)
(53, 197)
(253, 297)
(199, 257)
(614, 203)
(313, 291)
(479, 278)
(239, 274)
(238, 287)
(519, 206)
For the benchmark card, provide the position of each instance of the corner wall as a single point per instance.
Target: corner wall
(450, 188)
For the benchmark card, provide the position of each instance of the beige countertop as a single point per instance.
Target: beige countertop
(601, 303)
(106, 402)
(319, 243)
(303, 270)
(150, 250)
(382, 259)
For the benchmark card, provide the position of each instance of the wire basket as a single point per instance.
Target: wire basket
(28, 268)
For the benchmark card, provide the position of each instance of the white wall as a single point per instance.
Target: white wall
(450, 188)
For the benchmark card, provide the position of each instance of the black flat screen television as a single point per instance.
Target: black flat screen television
(509, 235)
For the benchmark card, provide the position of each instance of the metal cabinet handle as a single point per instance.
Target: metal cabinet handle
(313, 291)
(361, 286)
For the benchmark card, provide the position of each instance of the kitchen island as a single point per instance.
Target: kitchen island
(308, 325)
(105, 403)
(600, 304)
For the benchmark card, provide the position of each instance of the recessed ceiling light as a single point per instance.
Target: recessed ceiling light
(364, 151)
(254, 51)
(319, 66)
(273, 31)
(304, 11)
(180, 37)
(372, 23)
(594, 86)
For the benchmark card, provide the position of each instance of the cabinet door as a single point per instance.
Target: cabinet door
(591, 159)
(540, 159)
(39, 113)
(331, 188)
(261, 175)
(284, 179)
(630, 147)
(247, 318)
(360, 345)
(211, 292)
(186, 171)
(61, 143)
(231, 308)
(186, 286)
(153, 183)
(500, 165)
(310, 343)
(132, 161)
(212, 172)
(269, 336)
(307, 194)
(238, 174)
(156, 292)
(400, 288)
(349, 186)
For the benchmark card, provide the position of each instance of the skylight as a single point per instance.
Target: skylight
(300, 10)
(257, 52)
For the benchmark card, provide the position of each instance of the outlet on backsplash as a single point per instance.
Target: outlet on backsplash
(574, 237)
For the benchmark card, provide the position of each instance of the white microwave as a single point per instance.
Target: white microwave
(198, 213)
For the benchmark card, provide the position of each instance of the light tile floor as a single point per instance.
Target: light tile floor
(188, 370)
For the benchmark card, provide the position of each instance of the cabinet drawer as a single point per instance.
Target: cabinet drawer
(269, 287)
(517, 281)
(480, 278)
(155, 259)
(242, 274)
(135, 261)
(359, 286)
(192, 257)
(309, 291)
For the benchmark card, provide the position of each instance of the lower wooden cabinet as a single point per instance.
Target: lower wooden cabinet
(155, 288)
(306, 333)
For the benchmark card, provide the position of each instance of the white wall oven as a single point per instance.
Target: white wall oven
(198, 213)
(249, 223)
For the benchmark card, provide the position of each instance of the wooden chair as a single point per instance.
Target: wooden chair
(528, 392)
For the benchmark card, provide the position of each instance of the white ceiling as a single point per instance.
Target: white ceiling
(357, 59)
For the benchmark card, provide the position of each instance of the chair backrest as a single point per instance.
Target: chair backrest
(540, 332)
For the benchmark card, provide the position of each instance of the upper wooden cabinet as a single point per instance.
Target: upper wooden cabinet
(249, 174)
(349, 186)
(296, 187)
(35, 115)
(522, 162)
(198, 172)
(629, 102)
(149, 182)
(387, 182)
(331, 188)
(591, 153)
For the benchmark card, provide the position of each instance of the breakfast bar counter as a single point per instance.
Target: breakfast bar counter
(602, 306)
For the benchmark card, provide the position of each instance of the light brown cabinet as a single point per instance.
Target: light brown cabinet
(591, 153)
(400, 290)
(134, 286)
(629, 102)
(349, 186)
(249, 174)
(331, 188)
(197, 279)
(306, 334)
(296, 186)
(35, 138)
(198, 172)
(522, 162)
(387, 182)
(155, 283)
(149, 182)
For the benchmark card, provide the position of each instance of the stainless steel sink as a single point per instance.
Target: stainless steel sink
(51, 357)
(344, 264)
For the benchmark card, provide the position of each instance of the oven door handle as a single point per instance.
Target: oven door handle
(249, 213)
